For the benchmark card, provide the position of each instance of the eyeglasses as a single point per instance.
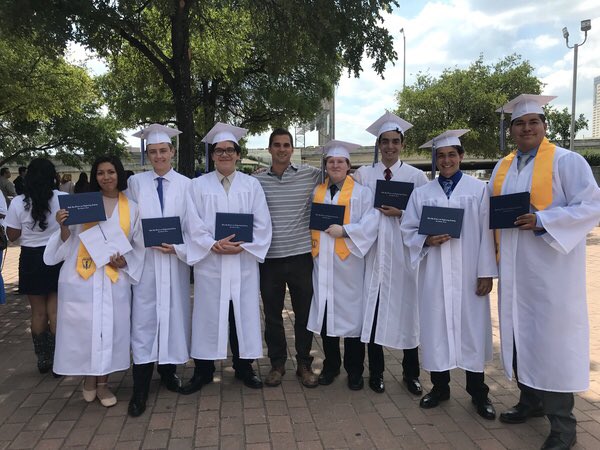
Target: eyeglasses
(222, 151)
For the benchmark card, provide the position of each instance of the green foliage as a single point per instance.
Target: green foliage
(559, 125)
(465, 98)
(593, 158)
(49, 106)
(253, 63)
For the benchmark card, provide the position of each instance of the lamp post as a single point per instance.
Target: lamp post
(586, 25)
(404, 59)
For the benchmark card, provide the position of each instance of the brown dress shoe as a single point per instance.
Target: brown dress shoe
(307, 377)
(274, 377)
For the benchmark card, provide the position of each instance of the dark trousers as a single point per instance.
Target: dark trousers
(476, 386)
(354, 352)
(206, 367)
(410, 362)
(142, 375)
(558, 406)
(295, 272)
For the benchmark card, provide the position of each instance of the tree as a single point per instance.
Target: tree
(559, 125)
(250, 62)
(49, 106)
(465, 98)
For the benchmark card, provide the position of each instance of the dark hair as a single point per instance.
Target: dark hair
(116, 162)
(22, 169)
(281, 132)
(38, 188)
(541, 116)
(238, 149)
(82, 184)
(396, 130)
(459, 149)
(4, 170)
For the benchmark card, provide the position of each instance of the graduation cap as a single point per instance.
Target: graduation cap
(157, 134)
(224, 132)
(446, 139)
(387, 122)
(526, 104)
(336, 148)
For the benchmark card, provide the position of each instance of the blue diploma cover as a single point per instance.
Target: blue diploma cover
(504, 209)
(322, 216)
(241, 225)
(392, 193)
(162, 230)
(83, 208)
(436, 220)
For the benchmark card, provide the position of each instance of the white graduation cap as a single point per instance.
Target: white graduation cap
(526, 104)
(446, 139)
(339, 148)
(388, 122)
(157, 134)
(224, 132)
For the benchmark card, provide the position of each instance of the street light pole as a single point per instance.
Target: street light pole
(586, 25)
(403, 59)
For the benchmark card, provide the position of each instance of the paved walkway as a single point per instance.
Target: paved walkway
(42, 412)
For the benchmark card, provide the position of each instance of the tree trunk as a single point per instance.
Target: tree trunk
(182, 94)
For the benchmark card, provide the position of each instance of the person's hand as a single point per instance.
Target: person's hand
(335, 231)
(226, 246)
(61, 216)
(435, 241)
(390, 211)
(484, 286)
(117, 261)
(167, 249)
(527, 222)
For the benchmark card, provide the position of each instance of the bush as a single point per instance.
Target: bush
(592, 158)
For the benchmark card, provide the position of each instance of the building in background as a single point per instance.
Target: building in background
(596, 109)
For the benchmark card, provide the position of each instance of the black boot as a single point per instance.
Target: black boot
(51, 346)
(40, 346)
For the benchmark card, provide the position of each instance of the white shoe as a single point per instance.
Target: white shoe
(106, 397)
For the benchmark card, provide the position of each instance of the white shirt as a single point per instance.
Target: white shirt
(20, 219)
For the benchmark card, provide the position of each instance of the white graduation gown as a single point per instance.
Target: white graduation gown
(219, 279)
(161, 306)
(93, 316)
(388, 273)
(542, 299)
(339, 284)
(456, 329)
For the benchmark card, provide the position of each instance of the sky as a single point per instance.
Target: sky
(453, 34)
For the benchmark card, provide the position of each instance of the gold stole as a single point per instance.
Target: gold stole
(541, 181)
(341, 249)
(85, 264)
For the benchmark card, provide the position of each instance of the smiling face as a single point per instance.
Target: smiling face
(160, 156)
(390, 144)
(225, 157)
(528, 131)
(448, 161)
(281, 150)
(107, 178)
(337, 168)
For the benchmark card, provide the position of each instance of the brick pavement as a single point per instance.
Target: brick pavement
(45, 413)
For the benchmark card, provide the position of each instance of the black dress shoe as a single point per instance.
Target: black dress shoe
(485, 408)
(249, 378)
(172, 382)
(356, 382)
(559, 441)
(327, 377)
(376, 383)
(520, 413)
(137, 404)
(413, 385)
(195, 384)
(433, 399)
